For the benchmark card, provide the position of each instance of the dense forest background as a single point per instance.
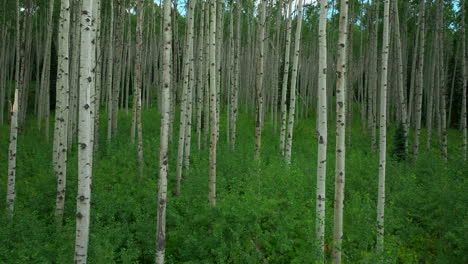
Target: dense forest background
(224, 131)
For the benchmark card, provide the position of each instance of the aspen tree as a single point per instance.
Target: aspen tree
(465, 77)
(292, 95)
(285, 80)
(383, 128)
(45, 76)
(340, 133)
(235, 90)
(61, 110)
(137, 87)
(110, 72)
(213, 133)
(259, 79)
(164, 139)
(401, 86)
(99, 69)
(85, 131)
(11, 193)
(375, 79)
(186, 94)
(201, 76)
(11, 185)
(432, 88)
(442, 88)
(322, 130)
(419, 87)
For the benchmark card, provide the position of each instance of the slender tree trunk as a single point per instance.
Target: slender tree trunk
(449, 120)
(137, 86)
(213, 136)
(259, 79)
(164, 138)
(292, 95)
(235, 90)
(285, 80)
(419, 88)
(443, 90)
(383, 129)
(86, 128)
(401, 84)
(110, 72)
(201, 76)
(61, 110)
(11, 193)
(45, 76)
(340, 133)
(432, 88)
(99, 69)
(188, 54)
(322, 131)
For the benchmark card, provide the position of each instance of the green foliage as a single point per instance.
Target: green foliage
(399, 149)
(264, 211)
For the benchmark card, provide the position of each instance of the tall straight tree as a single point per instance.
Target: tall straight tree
(284, 88)
(292, 95)
(383, 128)
(213, 87)
(235, 90)
(401, 86)
(322, 131)
(86, 127)
(61, 110)
(164, 135)
(340, 132)
(259, 79)
(186, 95)
(137, 88)
(11, 193)
(419, 87)
(110, 65)
(442, 78)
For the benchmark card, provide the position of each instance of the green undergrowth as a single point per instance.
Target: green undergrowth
(265, 211)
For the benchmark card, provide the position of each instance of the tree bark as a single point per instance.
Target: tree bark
(419, 88)
(322, 131)
(340, 133)
(86, 128)
(292, 95)
(383, 129)
(61, 110)
(285, 80)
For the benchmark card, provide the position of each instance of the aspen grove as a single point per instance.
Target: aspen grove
(233, 131)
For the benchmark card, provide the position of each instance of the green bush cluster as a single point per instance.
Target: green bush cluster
(265, 211)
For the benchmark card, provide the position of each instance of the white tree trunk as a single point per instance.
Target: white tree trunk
(86, 128)
(259, 79)
(292, 95)
(11, 193)
(137, 88)
(284, 88)
(322, 131)
(186, 94)
(213, 87)
(401, 85)
(419, 88)
(164, 136)
(383, 129)
(61, 110)
(341, 69)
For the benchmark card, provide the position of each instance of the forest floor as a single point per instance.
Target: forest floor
(265, 211)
